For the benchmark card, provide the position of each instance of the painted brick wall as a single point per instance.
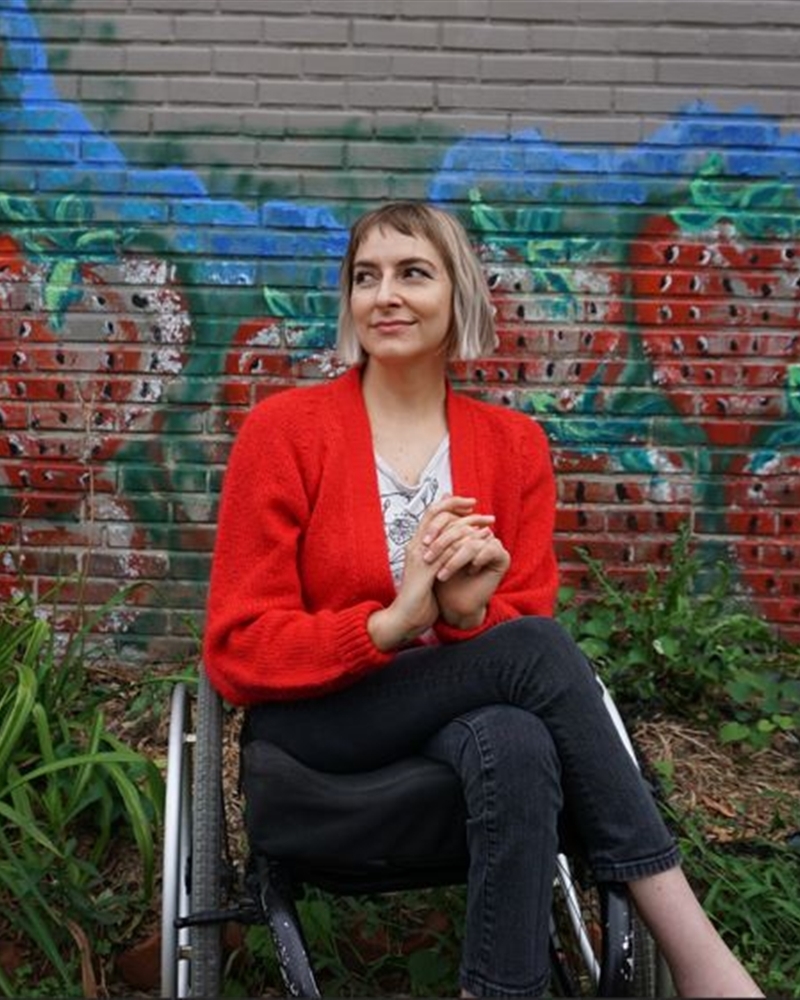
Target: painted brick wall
(176, 183)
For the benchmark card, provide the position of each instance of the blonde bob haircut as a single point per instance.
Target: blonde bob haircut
(472, 334)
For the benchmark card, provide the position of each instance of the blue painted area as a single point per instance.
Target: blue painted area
(91, 163)
(527, 165)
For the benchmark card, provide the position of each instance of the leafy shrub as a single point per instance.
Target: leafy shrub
(686, 645)
(68, 786)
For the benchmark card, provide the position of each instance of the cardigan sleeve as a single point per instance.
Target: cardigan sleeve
(531, 584)
(260, 642)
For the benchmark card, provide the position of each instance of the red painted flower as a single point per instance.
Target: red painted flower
(84, 364)
(266, 355)
(762, 514)
(715, 302)
(558, 302)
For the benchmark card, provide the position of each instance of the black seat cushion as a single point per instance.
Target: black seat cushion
(407, 814)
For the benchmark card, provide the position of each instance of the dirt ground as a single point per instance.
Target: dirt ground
(738, 793)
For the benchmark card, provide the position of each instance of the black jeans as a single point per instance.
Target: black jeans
(518, 714)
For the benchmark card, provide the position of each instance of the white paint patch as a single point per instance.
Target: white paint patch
(591, 280)
(173, 319)
(771, 467)
(329, 363)
(267, 336)
(136, 271)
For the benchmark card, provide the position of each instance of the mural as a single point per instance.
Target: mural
(647, 303)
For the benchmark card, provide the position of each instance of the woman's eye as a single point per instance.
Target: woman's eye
(416, 272)
(362, 277)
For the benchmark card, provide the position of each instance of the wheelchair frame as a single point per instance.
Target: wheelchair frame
(199, 881)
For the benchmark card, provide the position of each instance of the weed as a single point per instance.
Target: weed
(686, 645)
(751, 891)
(68, 786)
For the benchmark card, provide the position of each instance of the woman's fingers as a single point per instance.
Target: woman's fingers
(440, 514)
(475, 553)
(462, 551)
(454, 532)
(450, 537)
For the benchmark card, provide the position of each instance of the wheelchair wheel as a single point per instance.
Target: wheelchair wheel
(177, 830)
(598, 945)
(274, 889)
(207, 861)
(652, 977)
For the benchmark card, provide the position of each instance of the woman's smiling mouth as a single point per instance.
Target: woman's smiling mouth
(392, 325)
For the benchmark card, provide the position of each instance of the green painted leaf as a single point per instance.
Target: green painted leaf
(693, 220)
(62, 289)
(484, 217)
(17, 209)
(278, 303)
(72, 208)
(97, 241)
(769, 194)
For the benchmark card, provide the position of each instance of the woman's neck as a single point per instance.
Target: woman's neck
(398, 393)
(407, 416)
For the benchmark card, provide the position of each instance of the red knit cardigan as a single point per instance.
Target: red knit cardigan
(301, 561)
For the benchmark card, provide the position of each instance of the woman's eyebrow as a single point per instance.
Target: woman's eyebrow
(405, 262)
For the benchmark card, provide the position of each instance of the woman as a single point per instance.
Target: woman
(383, 584)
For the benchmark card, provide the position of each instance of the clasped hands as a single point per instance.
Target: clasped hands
(453, 565)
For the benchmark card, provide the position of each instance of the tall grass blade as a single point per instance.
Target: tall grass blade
(16, 718)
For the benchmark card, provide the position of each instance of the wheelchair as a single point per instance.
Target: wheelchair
(306, 828)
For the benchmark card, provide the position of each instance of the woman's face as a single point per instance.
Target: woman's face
(401, 297)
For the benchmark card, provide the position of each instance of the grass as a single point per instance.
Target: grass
(70, 791)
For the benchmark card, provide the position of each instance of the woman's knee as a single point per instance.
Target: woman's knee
(539, 632)
(545, 647)
(506, 749)
(510, 737)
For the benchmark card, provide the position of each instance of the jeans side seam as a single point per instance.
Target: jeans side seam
(489, 822)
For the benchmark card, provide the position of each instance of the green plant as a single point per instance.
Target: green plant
(685, 644)
(764, 702)
(68, 786)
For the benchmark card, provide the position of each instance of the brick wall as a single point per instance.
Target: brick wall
(176, 182)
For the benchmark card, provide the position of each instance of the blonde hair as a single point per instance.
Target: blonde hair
(472, 334)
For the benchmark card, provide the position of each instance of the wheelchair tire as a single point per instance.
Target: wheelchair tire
(207, 864)
(651, 975)
(598, 944)
(177, 831)
(278, 906)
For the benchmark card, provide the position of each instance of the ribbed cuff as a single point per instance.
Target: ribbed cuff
(496, 614)
(353, 641)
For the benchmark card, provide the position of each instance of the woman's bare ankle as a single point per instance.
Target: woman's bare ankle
(701, 963)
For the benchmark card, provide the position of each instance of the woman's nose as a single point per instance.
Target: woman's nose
(387, 290)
